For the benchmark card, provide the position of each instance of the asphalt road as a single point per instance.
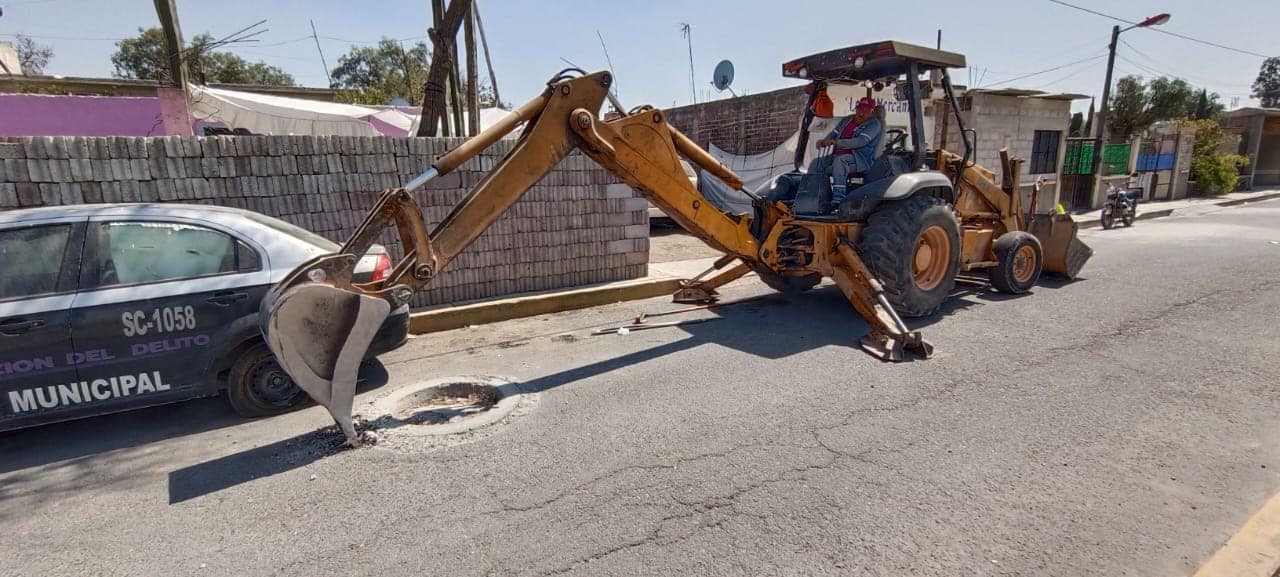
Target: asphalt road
(1123, 424)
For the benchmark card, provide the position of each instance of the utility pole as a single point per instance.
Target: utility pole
(473, 100)
(322, 61)
(488, 64)
(168, 14)
(1099, 129)
(443, 40)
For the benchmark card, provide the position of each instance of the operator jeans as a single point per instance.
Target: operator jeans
(839, 166)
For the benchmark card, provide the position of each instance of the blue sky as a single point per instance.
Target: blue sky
(1003, 39)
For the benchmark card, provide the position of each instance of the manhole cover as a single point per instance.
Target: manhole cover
(446, 411)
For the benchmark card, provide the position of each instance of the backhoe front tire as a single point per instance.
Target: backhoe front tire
(913, 247)
(1020, 260)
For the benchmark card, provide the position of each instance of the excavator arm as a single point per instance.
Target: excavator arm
(320, 324)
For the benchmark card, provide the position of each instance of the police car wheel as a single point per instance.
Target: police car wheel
(258, 386)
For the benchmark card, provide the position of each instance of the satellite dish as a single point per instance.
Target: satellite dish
(723, 75)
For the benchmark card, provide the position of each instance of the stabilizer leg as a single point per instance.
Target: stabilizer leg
(889, 339)
(698, 290)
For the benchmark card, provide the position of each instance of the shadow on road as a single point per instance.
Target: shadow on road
(43, 445)
(278, 457)
(773, 327)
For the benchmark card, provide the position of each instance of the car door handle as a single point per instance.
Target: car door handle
(17, 326)
(227, 298)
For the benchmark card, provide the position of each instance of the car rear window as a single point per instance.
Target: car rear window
(31, 259)
(294, 231)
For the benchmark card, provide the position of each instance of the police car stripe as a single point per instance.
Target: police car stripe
(166, 289)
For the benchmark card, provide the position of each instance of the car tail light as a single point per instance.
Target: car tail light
(382, 268)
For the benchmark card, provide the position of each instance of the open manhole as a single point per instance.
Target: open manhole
(446, 411)
(447, 402)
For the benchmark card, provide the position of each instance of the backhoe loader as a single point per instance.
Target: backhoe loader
(894, 248)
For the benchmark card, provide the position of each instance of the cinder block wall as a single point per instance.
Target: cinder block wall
(577, 226)
(745, 125)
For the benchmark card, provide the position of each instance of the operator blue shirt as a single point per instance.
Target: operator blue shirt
(862, 145)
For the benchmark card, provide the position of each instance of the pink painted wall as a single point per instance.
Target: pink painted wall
(62, 115)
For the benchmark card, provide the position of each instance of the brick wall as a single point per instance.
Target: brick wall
(576, 227)
(745, 125)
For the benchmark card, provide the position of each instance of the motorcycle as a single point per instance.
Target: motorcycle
(1122, 204)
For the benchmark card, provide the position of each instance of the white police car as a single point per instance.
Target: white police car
(105, 308)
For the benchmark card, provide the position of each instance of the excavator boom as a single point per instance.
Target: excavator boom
(319, 323)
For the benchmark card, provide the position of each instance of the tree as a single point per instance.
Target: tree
(1077, 124)
(485, 95)
(145, 57)
(1213, 171)
(1137, 104)
(1128, 113)
(377, 74)
(33, 56)
(1206, 106)
(1267, 87)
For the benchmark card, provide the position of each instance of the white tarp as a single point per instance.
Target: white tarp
(757, 170)
(267, 114)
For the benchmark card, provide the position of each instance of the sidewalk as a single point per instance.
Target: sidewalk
(1158, 209)
(663, 279)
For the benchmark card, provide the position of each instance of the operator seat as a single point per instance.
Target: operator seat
(814, 192)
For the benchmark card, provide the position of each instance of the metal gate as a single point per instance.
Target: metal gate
(1077, 177)
(1158, 156)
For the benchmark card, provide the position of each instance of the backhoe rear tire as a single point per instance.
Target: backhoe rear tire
(904, 244)
(1020, 260)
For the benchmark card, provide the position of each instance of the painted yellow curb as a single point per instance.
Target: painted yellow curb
(505, 309)
(1254, 551)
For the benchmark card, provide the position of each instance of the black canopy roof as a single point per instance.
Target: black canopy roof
(874, 61)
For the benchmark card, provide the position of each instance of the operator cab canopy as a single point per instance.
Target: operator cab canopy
(869, 62)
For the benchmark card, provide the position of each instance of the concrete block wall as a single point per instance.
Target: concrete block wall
(577, 226)
(748, 124)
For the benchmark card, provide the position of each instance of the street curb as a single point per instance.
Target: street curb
(1252, 551)
(1168, 211)
(1240, 201)
(454, 317)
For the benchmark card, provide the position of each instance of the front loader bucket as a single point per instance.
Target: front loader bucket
(320, 327)
(1064, 253)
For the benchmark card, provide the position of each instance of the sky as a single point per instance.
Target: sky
(1008, 43)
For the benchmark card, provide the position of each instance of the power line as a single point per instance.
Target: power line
(1071, 74)
(1160, 30)
(283, 42)
(43, 37)
(1073, 49)
(1055, 68)
(335, 39)
(1155, 70)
